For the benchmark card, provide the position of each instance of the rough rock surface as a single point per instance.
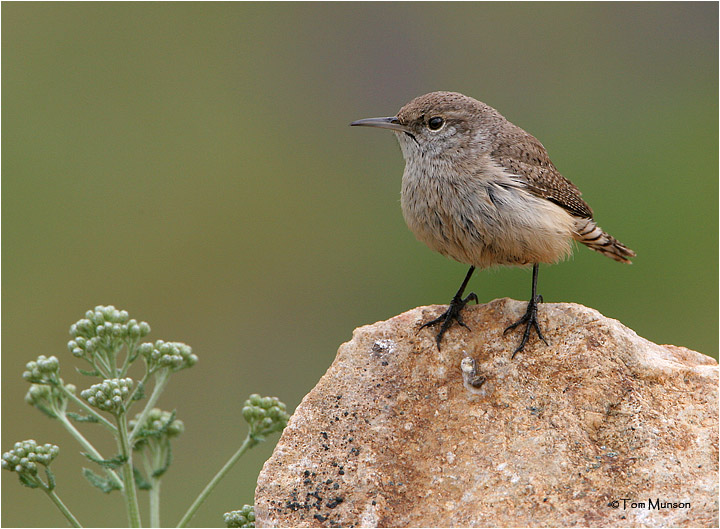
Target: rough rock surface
(577, 433)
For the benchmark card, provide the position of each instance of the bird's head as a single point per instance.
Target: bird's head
(445, 126)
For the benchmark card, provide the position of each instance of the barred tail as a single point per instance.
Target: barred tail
(593, 236)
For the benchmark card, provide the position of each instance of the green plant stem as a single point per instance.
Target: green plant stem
(131, 346)
(61, 506)
(247, 444)
(154, 489)
(102, 420)
(139, 385)
(155, 502)
(130, 491)
(104, 370)
(88, 447)
(112, 362)
(161, 380)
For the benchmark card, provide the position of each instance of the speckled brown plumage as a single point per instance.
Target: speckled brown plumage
(523, 155)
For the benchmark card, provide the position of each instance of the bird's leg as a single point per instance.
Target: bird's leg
(453, 311)
(530, 316)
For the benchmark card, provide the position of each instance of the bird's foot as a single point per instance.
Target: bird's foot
(530, 321)
(451, 314)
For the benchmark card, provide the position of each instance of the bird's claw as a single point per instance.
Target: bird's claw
(530, 321)
(452, 313)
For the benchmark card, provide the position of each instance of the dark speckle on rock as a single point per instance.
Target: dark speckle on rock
(334, 503)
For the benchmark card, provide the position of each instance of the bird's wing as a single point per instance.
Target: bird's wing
(521, 154)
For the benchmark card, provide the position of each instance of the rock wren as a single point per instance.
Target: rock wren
(482, 191)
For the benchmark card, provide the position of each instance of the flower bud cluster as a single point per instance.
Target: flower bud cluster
(26, 455)
(38, 394)
(158, 425)
(245, 517)
(158, 420)
(49, 399)
(110, 395)
(42, 371)
(172, 355)
(103, 325)
(265, 415)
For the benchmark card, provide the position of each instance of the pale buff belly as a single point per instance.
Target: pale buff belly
(487, 224)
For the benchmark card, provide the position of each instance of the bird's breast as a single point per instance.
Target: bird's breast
(484, 217)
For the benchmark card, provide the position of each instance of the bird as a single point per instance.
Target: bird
(480, 190)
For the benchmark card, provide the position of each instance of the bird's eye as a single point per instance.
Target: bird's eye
(435, 123)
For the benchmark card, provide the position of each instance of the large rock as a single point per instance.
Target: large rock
(600, 428)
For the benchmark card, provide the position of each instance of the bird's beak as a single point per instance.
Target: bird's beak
(391, 123)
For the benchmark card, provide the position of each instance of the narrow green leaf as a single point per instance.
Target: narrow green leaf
(47, 411)
(28, 482)
(169, 421)
(103, 484)
(112, 463)
(140, 480)
(93, 373)
(140, 393)
(51, 478)
(168, 459)
(81, 418)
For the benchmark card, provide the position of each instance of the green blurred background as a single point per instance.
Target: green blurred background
(192, 164)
